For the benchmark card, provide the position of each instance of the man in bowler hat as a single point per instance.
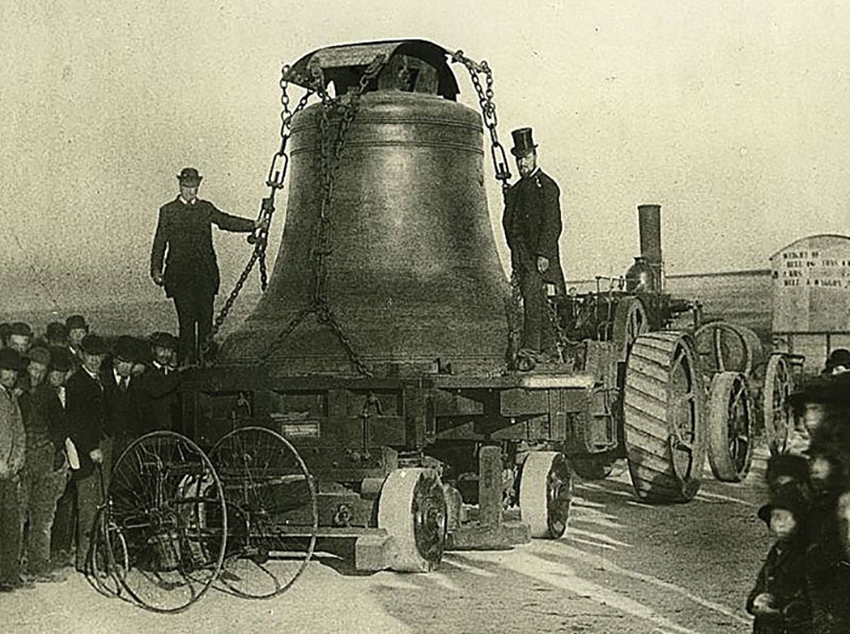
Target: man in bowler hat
(190, 275)
(532, 224)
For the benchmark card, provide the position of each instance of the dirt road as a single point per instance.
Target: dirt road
(624, 568)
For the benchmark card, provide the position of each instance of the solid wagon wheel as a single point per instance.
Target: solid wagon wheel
(778, 385)
(663, 417)
(730, 426)
(630, 321)
(412, 509)
(726, 347)
(545, 493)
(267, 489)
(168, 503)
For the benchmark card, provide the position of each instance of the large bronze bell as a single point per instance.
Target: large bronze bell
(413, 274)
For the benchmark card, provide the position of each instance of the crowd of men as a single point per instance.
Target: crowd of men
(70, 401)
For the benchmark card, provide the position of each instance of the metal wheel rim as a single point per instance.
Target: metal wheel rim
(739, 424)
(175, 525)
(777, 390)
(713, 347)
(216, 456)
(683, 393)
(429, 512)
(558, 495)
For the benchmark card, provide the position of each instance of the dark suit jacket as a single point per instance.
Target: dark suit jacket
(85, 413)
(122, 408)
(532, 224)
(160, 407)
(185, 232)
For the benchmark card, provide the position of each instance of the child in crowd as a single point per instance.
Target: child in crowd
(780, 601)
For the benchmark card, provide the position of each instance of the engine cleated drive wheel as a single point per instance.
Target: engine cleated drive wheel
(412, 509)
(730, 426)
(545, 493)
(664, 410)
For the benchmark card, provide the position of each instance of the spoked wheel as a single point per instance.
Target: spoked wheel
(267, 488)
(778, 385)
(109, 557)
(412, 509)
(730, 423)
(545, 493)
(630, 321)
(727, 347)
(663, 417)
(168, 504)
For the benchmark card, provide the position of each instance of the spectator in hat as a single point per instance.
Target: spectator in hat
(77, 329)
(780, 601)
(45, 471)
(20, 337)
(56, 335)
(183, 242)
(5, 329)
(12, 454)
(120, 393)
(532, 224)
(160, 385)
(88, 429)
(838, 362)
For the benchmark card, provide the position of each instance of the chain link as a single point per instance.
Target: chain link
(488, 113)
(275, 182)
(331, 151)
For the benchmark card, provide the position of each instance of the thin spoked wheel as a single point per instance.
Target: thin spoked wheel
(730, 417)
(168, 504)
(778, 385)
(272, 509)
(727, 347)
(109, 557)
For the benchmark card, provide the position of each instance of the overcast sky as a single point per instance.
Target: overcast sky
(733, 115)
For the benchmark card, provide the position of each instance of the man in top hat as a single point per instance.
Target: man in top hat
(190, 276)
(77, 329)
(532, 224)
(121, 396)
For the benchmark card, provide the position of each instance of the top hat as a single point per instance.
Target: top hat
(523, 142)
(189, 176)
(10, 359)
(76, 321)
(126, 349)
(789, 497)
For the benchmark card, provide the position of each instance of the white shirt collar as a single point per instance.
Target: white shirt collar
(187, 202)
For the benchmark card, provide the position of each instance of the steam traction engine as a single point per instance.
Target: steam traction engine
(379, 347)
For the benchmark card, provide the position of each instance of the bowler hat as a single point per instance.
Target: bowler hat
(189, 176)
(21, 329)
(93, 344)
(57, 330)
(523, 142)
(126, 349)
(60, 359)
(785, 468)
(163, 340)
(76, 321)
(10, 359)
(39, 354)
(838, 357)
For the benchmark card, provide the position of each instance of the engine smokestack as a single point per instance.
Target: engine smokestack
(649, 224)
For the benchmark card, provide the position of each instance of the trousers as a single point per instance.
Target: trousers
(42, 487)
(194, 308)
(10, 530)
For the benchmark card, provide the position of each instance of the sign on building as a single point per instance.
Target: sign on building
(811, 296)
